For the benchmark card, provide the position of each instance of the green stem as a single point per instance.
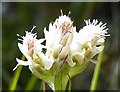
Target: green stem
(69, 84)
(61, 78)
(15, 78)
(31, 83)
(69, 87)
(96, 72)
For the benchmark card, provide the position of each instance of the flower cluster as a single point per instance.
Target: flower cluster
(67, 50)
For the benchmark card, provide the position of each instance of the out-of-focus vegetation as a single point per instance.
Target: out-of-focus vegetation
(19, 17)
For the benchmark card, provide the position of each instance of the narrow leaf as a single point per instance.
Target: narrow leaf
(15, 78)
(31, 83)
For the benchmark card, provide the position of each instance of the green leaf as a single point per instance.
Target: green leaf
(31, 83)
(15, 78)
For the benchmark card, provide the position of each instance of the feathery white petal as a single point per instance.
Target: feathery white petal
(21, 62)
(24, 50)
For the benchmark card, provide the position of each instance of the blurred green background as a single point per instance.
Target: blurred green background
(19, 17)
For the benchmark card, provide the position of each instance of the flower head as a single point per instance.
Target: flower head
(93, 32)
(89, 40)
(65, 47)
(30, 46)
(59, 37)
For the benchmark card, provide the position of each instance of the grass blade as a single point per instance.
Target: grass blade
(15, 78)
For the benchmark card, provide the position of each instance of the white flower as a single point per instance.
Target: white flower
(59, 38)
(63, 43)
(31, 47)
(65, 47)
(90, 38)
(93, 32)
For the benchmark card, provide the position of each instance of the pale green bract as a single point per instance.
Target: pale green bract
(67, 51)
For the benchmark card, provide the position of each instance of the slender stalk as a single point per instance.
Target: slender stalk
(69, 87)
(96, 73)
(15, 78)
(31, 83)
(44, 87)
(69, 84)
